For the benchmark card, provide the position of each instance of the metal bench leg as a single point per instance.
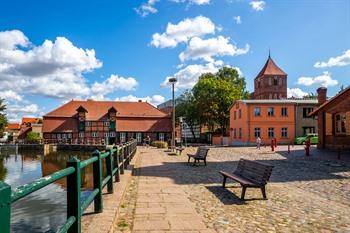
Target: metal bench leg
(188, 159)
(263, 191)
(243, 192)
(194, 163)
(205, 162)
(224, 182)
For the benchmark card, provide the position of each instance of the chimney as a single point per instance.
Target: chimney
(321, 95)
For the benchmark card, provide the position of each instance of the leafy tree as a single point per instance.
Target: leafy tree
(3, 119)
(33, 137)
(215, 93)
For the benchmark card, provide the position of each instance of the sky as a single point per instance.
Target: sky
(55, 51)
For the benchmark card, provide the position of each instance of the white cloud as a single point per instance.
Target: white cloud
(324, 80)
(183, 31)
(296, 93)
(147, 8)
(54, 68)
(257, 5)
(207, 48)
(113, 83)
(237, 19)
(342, 60)
(10, 95)
(154, 100)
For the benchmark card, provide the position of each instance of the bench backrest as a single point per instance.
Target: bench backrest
(255, 171)
(202, 152)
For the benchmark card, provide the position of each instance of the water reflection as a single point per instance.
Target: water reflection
(44, 210)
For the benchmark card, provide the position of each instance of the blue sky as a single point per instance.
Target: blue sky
(126, 50)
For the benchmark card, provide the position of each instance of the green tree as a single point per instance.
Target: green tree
(3, 119)
(33, 137)
(214, 94)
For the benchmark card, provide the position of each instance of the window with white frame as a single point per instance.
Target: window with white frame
(106, 135)
(69, 135)
(53, 135)
(94, 134)
(122, 137)
(139, 137)
(284, 132)
(112, 134)
(257, 111)
(58, 136)
(161, 136)
(87, 123)
(270, 111)
(340, 123)
(257, 132)
(271, 132)
(64, 136)
(284, 111)
(106, 123)
(81, 134)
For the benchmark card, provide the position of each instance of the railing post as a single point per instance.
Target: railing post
(116, 164)
(126, 156)
(109, 170)
(121, 158)
(5, 207)
(97, 177)
(73, 195)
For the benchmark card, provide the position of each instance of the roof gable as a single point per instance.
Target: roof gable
(270, 68)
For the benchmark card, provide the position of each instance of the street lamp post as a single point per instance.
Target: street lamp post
(173, 81)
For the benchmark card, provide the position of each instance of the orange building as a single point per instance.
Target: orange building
(267, 119)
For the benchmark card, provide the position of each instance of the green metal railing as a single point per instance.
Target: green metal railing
(116, 160)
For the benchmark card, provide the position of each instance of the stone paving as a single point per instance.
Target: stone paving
(305, 194)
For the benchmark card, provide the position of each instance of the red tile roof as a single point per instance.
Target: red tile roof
(97, 109)
(31, 120)
(13, 126)
(131, 116)
(270, 68)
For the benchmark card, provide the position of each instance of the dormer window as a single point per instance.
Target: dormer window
(275, 81)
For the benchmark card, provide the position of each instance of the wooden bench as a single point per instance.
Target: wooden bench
(250, 174)
(201, 154)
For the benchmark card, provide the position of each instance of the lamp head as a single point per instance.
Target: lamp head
(172, 80)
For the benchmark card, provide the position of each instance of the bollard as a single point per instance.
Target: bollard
(121, 159)
(272, 145)
(97, 178)
(307, 147)
(73, 195)
(116, 164)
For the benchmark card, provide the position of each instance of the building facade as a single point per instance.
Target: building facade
(105, 122)
(271, 82)
(269, 119)
(333, 120)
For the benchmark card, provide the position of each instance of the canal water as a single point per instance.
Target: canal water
(43, 210)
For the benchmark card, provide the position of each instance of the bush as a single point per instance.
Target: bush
(33, 137)
(159, 144)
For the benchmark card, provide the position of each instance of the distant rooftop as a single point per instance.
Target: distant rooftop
(280, 101)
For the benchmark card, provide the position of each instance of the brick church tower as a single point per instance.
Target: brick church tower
(271, 82)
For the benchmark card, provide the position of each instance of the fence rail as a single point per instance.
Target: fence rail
(116, 160)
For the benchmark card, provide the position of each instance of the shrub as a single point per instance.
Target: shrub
(159, 144)
(33, 137)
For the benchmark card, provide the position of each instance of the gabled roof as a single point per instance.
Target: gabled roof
(30, 120)
(270, 68)
(13, 126)
(97, 109)
(345, 92)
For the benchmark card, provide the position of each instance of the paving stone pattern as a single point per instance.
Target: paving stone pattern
(305, 194)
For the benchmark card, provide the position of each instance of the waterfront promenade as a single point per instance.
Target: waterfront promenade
(305, 194)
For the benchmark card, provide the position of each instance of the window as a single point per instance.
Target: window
(340, 123)
(271, 132)
(64, 135)
(106, 123)
(270, 81)
(240, 113)
(234, 115)
(106, 135)
(257, 111)
(122, 137)
(284, 132)
(87, 123)
(161, 136)
(275, 81)
(306, 112)
(240, 133)
(69, 135)
(112, 125)
(112, 134)
(53, 135)
(270, 96)
(58, 136)
(139, 137)
(257, 132)
(307, 130)
(81, 126)
(284, 111)
(235, 133)
(94, 134)
(270, 111)
(81, 134)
